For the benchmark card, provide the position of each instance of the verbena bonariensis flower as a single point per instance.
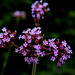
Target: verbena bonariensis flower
(20, 14)
(6, 38)
(38, 10)
(35, 46)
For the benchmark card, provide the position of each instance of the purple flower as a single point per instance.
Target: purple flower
(0, 42)
(21, 47)
(29, 37)
(43, 53)
(24, 32)
(38, 37)
(51, 44)
(23, 37)
(1, 35)
(58, 64)
(62, 61)
(69, 51)
(38, 53)
(8, 39)
(38, 32)
(4, 40)
(64, 57)
(42, 12)
(25, 44)
(38, 10)
(41, 1)
(11, 35)
(64, 43)
(20, 14)
(38, 16)
(66, 48)
(33, 16)
(29, 41)
(16, 13)
(53, 58)
(31, 59)
(37, 50)
(52, 40)
(68, 56)
(20, 37)
(24, 53)
(4, 29)
(37, 46)
(45, 42)
(45, 4)
(28, 62)
(26, 58)
(69, 47)
(16, 50)
(36, 60)
(55, 52)
(5, 33)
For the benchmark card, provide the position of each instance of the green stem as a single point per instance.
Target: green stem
(37, 24)
(34, 69)
(17, 23)
(5, 60)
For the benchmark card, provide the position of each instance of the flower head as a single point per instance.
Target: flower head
(6, 37)
(38, 10)
(20, 14)
(35, 46)
(61, 53)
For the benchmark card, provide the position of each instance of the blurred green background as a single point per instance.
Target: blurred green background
(58, 23)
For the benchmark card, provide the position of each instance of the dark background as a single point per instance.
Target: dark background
(59, 23)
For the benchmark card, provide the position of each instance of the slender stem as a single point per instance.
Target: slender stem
(17, 23)
(5, 60)
(34, 69)
(37, 23)
(48, 54)
(14, 45)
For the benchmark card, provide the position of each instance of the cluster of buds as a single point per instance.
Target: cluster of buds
(6, 38)
(38, 10)
(35, 46)
(20, 14)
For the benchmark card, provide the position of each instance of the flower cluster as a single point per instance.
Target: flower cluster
(38, 10)
(35, 46)
(31, 47)
(60, 50)
(20, 14)
(6, 37)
